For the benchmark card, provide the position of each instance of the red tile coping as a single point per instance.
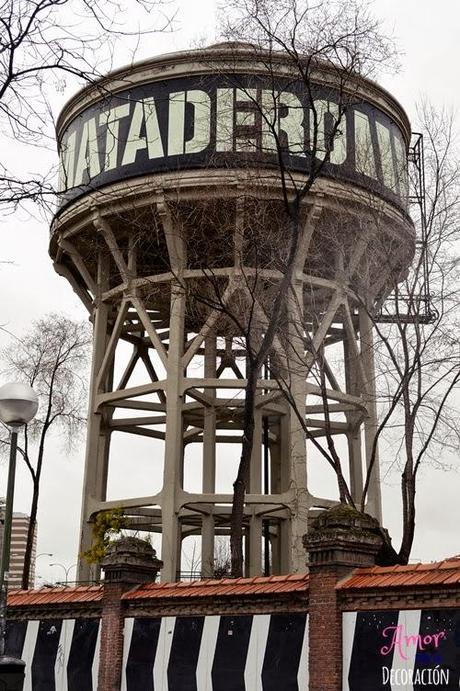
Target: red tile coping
(55, 595)
(446, 572)
(412, 575)
(259, 585)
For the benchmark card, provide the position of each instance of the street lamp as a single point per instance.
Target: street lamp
(66, 569)
(18, 406)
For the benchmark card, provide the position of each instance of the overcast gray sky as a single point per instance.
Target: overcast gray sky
(427, 34)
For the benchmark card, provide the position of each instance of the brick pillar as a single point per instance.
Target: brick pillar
(128, 562)
(340, 540)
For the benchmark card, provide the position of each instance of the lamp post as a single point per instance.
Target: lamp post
(18, 406)
(66, 569)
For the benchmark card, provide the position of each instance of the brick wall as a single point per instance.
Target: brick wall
(399, 598)
(325, 629)
(334, 585)
(114, 607)
(326, 598)
(295, 602)
(111, 655)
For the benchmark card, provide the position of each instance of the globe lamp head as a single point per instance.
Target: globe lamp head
(18, 404)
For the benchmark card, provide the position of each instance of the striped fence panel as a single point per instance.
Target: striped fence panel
(216, 653)
(60, 654)
(407, 650)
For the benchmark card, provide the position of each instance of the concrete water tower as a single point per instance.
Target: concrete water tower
(168, 172)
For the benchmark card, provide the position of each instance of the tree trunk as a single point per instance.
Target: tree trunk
(30, 537)
(239, 486)
(408, 485)
(387, 555)
(408, 493)
(344, 494)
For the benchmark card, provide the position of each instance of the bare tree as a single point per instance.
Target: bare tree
(53, 359)
(249, 290)
(43, 44)
(348, 43)
(417, 347)
(222, 566)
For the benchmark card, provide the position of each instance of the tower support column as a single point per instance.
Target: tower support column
(174, 436)
(97, 441)
(374, 500)
(297, 451)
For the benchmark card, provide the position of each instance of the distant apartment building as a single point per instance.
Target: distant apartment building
(19, 530)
